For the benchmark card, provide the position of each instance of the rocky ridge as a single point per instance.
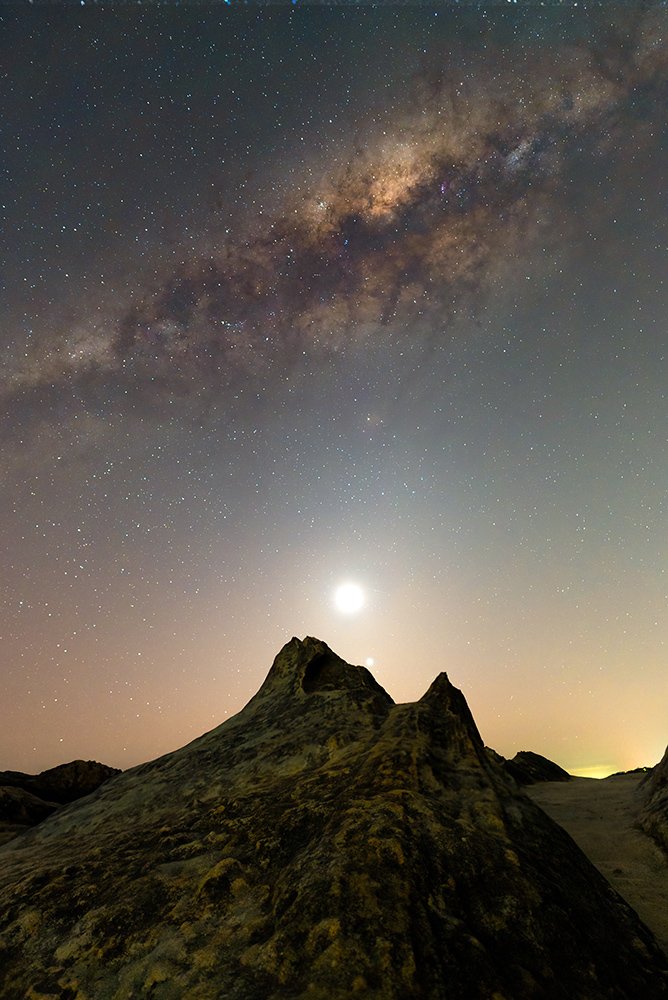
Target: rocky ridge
(527, 767)
(324, 843)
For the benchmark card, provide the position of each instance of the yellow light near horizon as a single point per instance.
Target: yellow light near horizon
(596, 771)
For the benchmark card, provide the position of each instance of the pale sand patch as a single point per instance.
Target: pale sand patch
(600, 816)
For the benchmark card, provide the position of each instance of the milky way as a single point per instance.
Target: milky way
(408, 234)
(298, 297)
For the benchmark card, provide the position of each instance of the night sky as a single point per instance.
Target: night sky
(296, 296)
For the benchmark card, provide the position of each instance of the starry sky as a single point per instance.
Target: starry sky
(295, 296)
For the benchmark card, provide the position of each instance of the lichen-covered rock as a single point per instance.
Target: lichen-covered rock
(653, 816)
(323, 844)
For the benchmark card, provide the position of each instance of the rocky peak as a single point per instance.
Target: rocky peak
(308, 666)
(447, 713)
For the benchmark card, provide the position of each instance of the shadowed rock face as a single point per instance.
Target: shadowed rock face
(20, 807)
(654, 813)
(323, 844)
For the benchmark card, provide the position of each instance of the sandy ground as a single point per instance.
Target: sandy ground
(600, 816)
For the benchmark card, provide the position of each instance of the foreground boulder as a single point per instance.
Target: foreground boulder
(654, 812)
(323, 844)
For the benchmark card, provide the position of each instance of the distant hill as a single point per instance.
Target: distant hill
(27, 799)
(527, 767)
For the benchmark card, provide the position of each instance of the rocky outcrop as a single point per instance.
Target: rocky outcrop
(20, 807)
(63, 783)
(527, 767)
(27, 799)
(653, 816)
(324, 843)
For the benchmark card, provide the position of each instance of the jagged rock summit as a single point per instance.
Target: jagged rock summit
(323, 844)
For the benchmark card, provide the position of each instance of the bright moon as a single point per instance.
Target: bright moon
(349, 598)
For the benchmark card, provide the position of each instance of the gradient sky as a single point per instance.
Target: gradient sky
(291, 296)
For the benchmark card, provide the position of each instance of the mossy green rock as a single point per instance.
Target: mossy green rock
(323, 844)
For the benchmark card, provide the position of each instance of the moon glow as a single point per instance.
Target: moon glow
(349, 598)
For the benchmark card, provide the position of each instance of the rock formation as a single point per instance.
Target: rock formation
(323, 844)
(654, 812)
(63, 783)
(21, 809)
(527, 767)
(26, 799)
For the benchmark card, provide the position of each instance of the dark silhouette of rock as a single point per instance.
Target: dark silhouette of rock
(323, 844)
(527, 767)
(27, 799)
(63, 783)
(653, 816)
(19, 806)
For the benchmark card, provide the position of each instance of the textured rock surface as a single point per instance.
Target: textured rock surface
(323, 844)
(654, 813)
(527, 767)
